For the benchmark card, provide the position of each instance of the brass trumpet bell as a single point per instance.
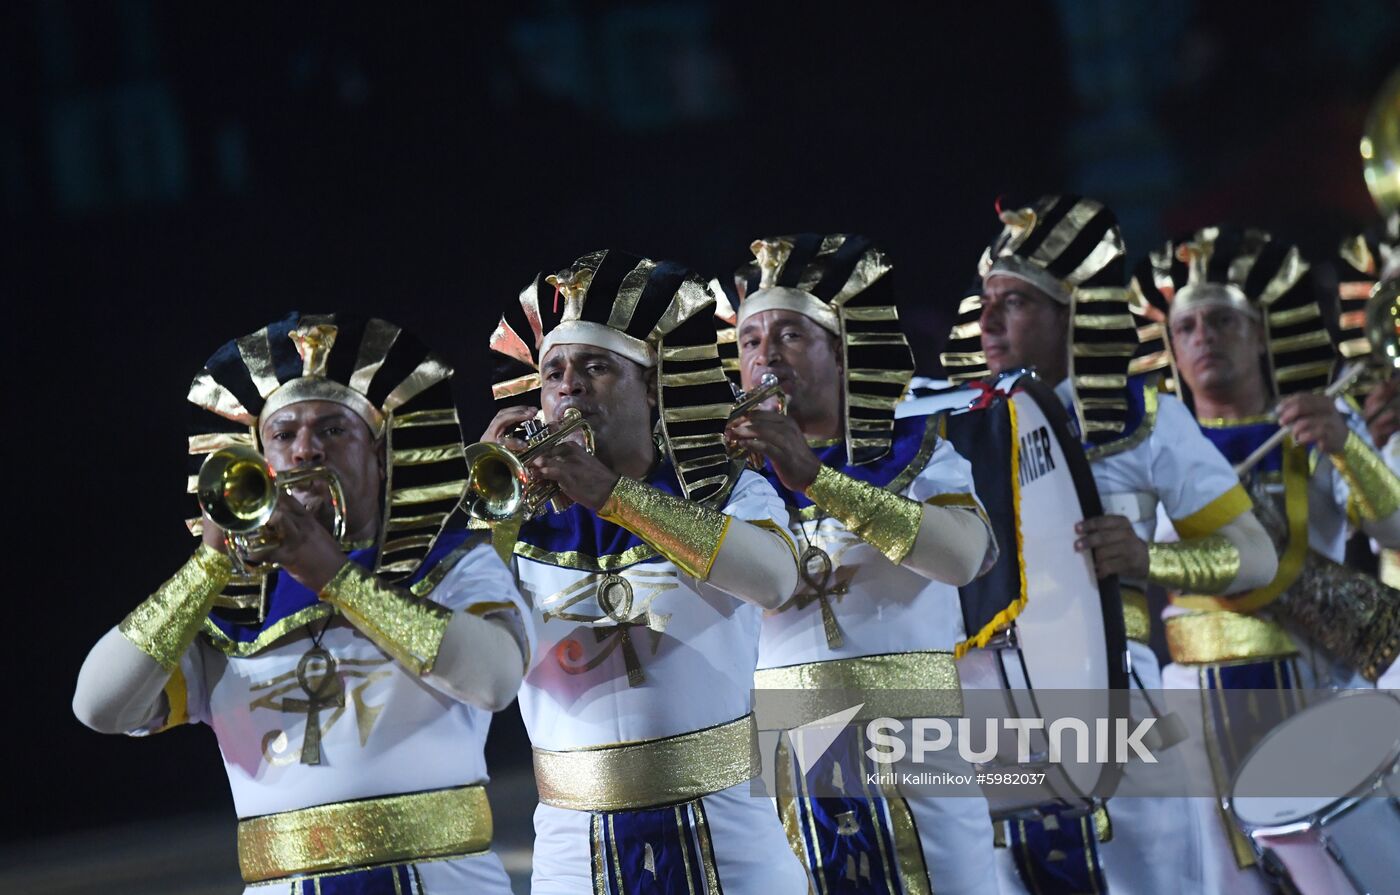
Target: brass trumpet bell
(496, 482)
(235, 489)
(1380, 147)
(499, 487)
(238, 490)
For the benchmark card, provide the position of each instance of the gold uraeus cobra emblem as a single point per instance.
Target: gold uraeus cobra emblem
(314, 345)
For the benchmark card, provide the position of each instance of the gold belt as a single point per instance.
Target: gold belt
(893, 685)
(389, 829)
(630, 776)
(1202, 638)
(1136, 619)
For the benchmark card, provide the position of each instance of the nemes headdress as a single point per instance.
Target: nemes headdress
(1362, 261)
(388, 378)
(842, 283)
(1071, 249)
(1251, 272)
(658, 314)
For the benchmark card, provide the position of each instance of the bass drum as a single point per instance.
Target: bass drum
(1053, 641)
(1336, 829)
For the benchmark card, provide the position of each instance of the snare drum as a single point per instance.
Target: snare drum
(1342, 834)
(1065, 654)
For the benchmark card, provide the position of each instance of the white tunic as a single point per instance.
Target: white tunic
(696, 646)
(884, 608)
(881, 607)
(394, 734)
(1175, 467)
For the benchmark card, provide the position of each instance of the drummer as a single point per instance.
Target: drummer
(888, 526)
(1251, 353)
(1053, 299)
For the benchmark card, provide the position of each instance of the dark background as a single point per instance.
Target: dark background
(176, 174)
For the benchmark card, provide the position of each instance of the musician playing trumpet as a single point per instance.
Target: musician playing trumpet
(646, 591)
(888, 525)
(350, 692)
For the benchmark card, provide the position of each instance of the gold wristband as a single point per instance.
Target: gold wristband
(1374, 488)
(686, 533)
(406, 627)
(888, 522)
(1205, 565)
(165, 625)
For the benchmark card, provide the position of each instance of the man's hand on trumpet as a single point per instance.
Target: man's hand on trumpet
(777, 437)
(301, 544)
(579, 474)
(1313, 421)
(507, 421)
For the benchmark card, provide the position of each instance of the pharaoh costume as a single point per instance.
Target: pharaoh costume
(353, 768)
(1318, 623)
(1145, 456)
(861, 621)
(637, 698)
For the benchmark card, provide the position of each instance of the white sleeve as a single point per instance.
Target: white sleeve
(945, 483)
(756, 562)
(491, 636)
(122, 690)
(1195, 484)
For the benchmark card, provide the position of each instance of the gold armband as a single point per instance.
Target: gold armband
(165, 625)
(406, 627)
(1374, 488)
(686, 533)
(1205, 565)
(888, 522)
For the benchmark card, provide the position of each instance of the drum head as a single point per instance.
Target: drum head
(1332, 750)
(1071, 631)
(1071, 661)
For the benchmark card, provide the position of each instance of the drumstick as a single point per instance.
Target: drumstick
(1350, 375)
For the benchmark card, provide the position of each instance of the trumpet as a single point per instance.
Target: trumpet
(238, 490)
(499, 487)
(768, 387)
(1383, 334)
